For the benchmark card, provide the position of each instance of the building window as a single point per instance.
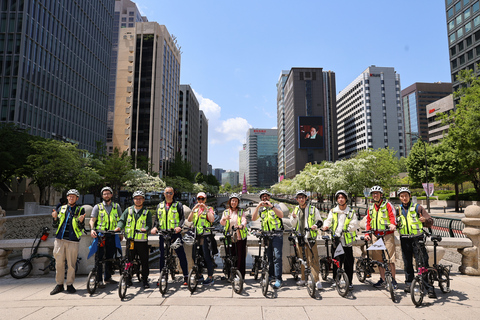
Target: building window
(454, 63)
(476, 21)
(470, 55)
(458, 7)
(459, 19)
(462, 59)
(453, 50)
(449, 2)
(451, 25)
(450, 13)
(452, 37)
(475, 7)
(468, 28)
(466, 14)
(478, 50)
(469, 40)
(465, 2)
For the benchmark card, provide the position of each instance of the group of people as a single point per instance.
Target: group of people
(137, 221)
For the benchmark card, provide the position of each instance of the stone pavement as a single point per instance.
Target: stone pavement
(29, 298)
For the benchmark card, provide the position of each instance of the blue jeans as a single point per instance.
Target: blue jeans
(206, 253)
(274, 254)
(180, 254)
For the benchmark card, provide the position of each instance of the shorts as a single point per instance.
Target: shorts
(389, 241)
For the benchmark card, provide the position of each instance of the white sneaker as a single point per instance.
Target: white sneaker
(300, 283)
(319, 285)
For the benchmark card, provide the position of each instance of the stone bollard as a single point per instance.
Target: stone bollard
(3, 253)
(470, 256)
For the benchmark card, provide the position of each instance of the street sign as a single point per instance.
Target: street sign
(428, 190)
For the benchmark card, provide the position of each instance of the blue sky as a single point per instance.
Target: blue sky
(234, 51)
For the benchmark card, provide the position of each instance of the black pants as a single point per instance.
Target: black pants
(346, 260)
(140, 248)
(409, 250)
(109, 249)
(241, 253)
(179, 251)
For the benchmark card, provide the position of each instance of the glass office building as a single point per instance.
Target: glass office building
(54, 67)
(262, 152)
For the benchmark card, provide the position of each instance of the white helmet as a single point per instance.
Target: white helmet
(73, 191)
(106, 189)
(376, 188)
(138, 193)
(234, 195)
(341, 192)
(403, 189)
(177, 244)
(264, 192)
(299, 192)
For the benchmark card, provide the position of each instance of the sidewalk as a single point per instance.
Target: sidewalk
(30, 298)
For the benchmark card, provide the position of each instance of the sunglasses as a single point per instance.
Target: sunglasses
(168, 192)
(201, 199)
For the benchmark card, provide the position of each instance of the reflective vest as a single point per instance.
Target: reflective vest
(310, 221)
(106, 221)
(62, 216)
(170, 219)
(270, 221)
(411, 225)
(133, 225)
(379, 220)
(349, 236)
(243, 232)
(200, 220)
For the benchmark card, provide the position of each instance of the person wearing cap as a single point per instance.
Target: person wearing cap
(137, 217)
(104, 217)
(234, 218)
(170, 216)
(271, 220)
(412, 218)
(381, 219)
(203, 216)
(307, 216)
(69, 223)
(344, 224)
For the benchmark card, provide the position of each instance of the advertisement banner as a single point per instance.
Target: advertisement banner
(428, 190)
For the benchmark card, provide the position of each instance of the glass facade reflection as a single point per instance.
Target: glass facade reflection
(262, 152)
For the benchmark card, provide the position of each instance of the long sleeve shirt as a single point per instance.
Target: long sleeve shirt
(391, 216)
(232, 215)
(302, 214)
(341, 216)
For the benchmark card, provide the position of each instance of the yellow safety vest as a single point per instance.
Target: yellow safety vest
(170, 219)
(106, 221)
(200, 220)
(61, 217)
(133, 225)
(310, 221)
(349, 236)
(411, 225)
(243, 232)
(270, 221)
(379, 220)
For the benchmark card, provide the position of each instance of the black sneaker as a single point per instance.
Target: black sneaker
(431, 294)
(146, 285)
(407, 287)
(58, 288)
(71, 289)
(379, 284)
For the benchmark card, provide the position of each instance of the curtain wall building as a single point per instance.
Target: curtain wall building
(306, 115)
(262, 152)
(54, 67)
(369, 113)
(189, 127)
(203, 143)
(146, 95)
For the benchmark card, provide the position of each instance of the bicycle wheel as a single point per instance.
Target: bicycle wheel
(163, 281)
(227, 269)
(416, 291)
(342, 283)
(324, 269)
(389, 285)
(21, 269)
(444, 280)
(192, 281)
(122, 286)
(256, 271)
(237, 282)
(298, 270)
(311, 285)
(264, 282)
(92, 282)
(360, 270)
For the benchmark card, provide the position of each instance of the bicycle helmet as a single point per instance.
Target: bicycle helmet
(376, 188)
(299, 192)
(403, 189)
(264, 192)
(189, 238)
(177, 244)
(234, 195)
(138, 193)
(73, 191)
(345, 194)
(106, 189)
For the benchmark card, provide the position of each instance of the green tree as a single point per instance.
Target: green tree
(227, 187)
(180, 184)
(199, 177)
(212, 180)
(181, 168)
(381, 168)
(416, 163)
(116, 169)
(141, 180)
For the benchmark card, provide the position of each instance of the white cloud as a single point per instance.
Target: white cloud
(211, 109)
(231, 129)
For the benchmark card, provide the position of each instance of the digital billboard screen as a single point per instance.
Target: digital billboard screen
(311, 134)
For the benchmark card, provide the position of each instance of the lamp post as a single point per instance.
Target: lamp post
(426, 167)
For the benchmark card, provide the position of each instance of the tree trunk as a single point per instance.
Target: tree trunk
(456, 198)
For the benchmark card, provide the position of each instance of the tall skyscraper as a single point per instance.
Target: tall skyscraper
(54, 68)
(463, 25)
(230, 177)
(308, 118)
(189, 128)
(436, 128)
(203, 143)
(217, 172)
(262, 153)
(369, 113)
(146, 95)
(414, 101)
(281, 123)
(126, 15)
(242, 163)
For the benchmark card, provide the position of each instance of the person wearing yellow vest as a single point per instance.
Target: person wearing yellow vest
(69, 223)
(134, 218)
(307, 216)
(412, 218)
(344, 223)
(105, 216)
(271, 220)
(234, 217)
(381, 219)
(203, 216)
(169, 216)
